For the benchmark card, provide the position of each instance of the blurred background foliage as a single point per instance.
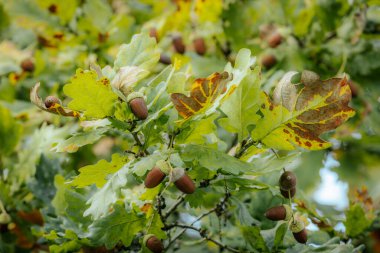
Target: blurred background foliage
(47, 40)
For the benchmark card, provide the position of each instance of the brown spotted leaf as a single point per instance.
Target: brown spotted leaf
(204, 92)
(56, 108)
(300, 114)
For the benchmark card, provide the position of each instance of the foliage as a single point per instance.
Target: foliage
(72, 173)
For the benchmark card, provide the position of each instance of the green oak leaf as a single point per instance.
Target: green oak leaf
(242, 105)
(141, 52)
(214, 159)
(78, 140)
(97, 173)
(91, 95)
(254, 238)
(120, 225)
(356, 220)
(10, 131)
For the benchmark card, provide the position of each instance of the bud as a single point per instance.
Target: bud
(153, 243)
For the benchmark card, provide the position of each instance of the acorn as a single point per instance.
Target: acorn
(178, 44)
(137, 104)
(153, 243)
(268, 60)
(157, 174)
(354, 88)
(200, 46)
(165, 59)
(5, 218)
(27, 65)
(285, 193)
(182, 181)
(153, 33)
(277, 213)
(51, 100)
(274, 39)
(299, 232)
(288, 180)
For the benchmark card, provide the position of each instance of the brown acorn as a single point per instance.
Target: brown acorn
(153, 33)
(27, 65)
(154, 177)
(268, 60)
(165, 59)
(299, 232)
(138, 106)
(200, 46)
(182, 181)
(277, 213)
(178, 44)
(288, 180)
(51, 100)
(274, 39)
(286, 193)
(153, 243)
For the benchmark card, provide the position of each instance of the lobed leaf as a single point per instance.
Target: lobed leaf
(299, 118)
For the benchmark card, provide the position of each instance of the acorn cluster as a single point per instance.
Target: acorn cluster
(287, 184)
(177, 175)
(272, 38)
(199, 45)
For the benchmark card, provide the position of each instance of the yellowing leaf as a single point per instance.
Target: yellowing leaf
(56, 108)
(208, 10)
(203, 93)
(299, 118)
(91, 95)
(97, 173)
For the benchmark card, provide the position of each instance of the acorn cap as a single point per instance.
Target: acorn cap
(153, 243)
(176, 174)
(288, 180)
(164, 166)
(296, 226)
(134, 95)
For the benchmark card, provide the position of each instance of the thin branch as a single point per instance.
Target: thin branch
(174, 207)
(244, 148)
(204, 235)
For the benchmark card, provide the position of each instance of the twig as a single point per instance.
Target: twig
(207, 237)
(138, 142)
(174, 206)
(244, 148)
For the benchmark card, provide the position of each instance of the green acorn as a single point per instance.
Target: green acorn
(277, 213)
(182, 181)
(153, 243)
(137, 104)
(299, 232)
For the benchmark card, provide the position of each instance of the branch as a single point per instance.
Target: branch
(174, 207)
(204, 235)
